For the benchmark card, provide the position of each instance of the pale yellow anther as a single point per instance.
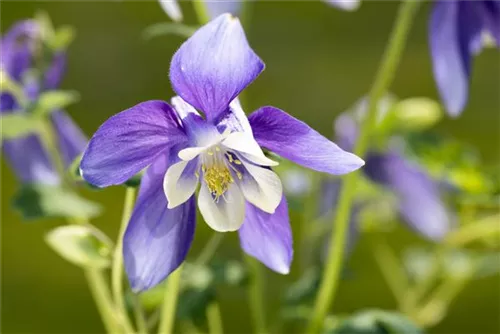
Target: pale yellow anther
(218, 179)
(237, 162)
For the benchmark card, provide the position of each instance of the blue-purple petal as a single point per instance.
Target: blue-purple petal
(268, 237)
(16, 56)
(29, 161)
(294, 140)
(130, 141)
(157, 239)
(450, 44)
(55, 72)
(420, 203)
(214, 65)
(70, 139)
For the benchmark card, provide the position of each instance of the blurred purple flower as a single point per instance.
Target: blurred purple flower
(349, 5)
(457, 33)
(220, 150)
(27, 156)
(419, 200)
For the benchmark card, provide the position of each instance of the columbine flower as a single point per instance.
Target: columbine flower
(27, 156)
(419, 200)
(457, 31)
(349, 5)
(219, 150)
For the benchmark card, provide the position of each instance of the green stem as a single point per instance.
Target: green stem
(391, 269)
(383, 79)
(95, 278)
(117, 266)
(102, 298)
(434, 310)
(255, 295)
(140, 319)
(214, 319)
(167, 319)
(209, 249)
(483, 228)
(201, 11)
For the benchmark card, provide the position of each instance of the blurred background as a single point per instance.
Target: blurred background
(319, 61)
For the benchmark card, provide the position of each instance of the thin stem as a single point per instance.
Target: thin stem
(167, 319)
(383, 79)
(435, 308)
(255, 295)
(214, 319)
(209, 249)
(140, 319)
(95, 278)
(391, 269)
(117, 266)
(201, 11)
(102, 298)
(422, 287)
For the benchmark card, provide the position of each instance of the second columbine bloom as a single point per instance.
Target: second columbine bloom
(219, 148)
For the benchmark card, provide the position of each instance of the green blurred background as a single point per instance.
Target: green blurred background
(319, 61)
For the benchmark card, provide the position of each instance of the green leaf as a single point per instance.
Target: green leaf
(19, 124)
(80, 245)
(375, 322)
(55, 100)
(41, 201)
(161, 29)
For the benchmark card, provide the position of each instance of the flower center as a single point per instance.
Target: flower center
(216, 173)
(218, 179)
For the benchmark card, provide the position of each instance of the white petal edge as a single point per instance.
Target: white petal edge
(264, 189)
(183, 108)
(190, 153)
(245, 143)
(240, 115)
(224, 216)
(172, 9)
(178, 190)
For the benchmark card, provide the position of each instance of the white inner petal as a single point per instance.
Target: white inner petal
(227, 213)
(245, 143)
(263, 189)
(190, 153)
(178, 189)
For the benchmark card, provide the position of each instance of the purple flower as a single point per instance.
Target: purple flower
(26, 155)
(349, 5)
(219, 149)
(418, 196)
(456, 33)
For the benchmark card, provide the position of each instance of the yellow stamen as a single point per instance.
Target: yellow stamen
(218, 179)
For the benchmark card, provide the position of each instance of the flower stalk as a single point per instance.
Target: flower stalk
(95, 277)
(117, 266)
(256, 295)
(172, 289)
(383, 79)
